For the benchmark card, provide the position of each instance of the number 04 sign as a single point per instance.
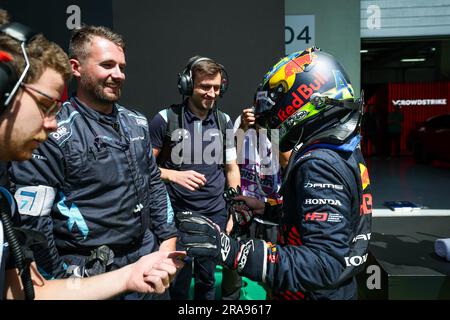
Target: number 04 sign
(299, 33)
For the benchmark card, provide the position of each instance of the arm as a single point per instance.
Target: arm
(161, 211)
(233, 175)
(37, 183)
(232, 171)
(190, 179)
(150, 274)
(315, 260)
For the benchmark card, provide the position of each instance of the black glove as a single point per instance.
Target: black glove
(202, 238)
(242, 215)
(242, 218)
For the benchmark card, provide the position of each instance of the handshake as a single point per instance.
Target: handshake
(203, 238)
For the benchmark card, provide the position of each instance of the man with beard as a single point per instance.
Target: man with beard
(197, 182)
(94, 188)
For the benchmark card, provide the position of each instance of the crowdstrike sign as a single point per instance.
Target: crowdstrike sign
(420, 102)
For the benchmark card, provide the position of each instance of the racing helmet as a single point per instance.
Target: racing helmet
(304, 92)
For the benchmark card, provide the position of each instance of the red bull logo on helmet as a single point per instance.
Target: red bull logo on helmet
(301, 96)
(286, 69)
(298, 64)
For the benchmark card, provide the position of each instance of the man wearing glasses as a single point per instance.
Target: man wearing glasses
(32, 76)
(94, 188)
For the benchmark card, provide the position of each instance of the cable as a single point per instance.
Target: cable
(15, 249)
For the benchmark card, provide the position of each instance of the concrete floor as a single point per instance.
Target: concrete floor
(402, 179)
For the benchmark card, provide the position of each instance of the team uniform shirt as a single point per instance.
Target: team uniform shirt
(93, 182)
(326, 227)
(207, 199)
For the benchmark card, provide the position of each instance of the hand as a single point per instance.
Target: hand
(247, 118)
(203, 238)
(242, 217)
(190, 179)
(168, 245)
(256, 205)
(154, 272)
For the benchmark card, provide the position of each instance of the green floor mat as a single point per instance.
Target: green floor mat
(250, 290)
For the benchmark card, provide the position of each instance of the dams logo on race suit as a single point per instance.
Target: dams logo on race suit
(366, 205)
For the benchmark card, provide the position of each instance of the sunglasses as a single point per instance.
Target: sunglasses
(50, 109)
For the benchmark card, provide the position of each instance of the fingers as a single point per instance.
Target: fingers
(241, 197)
(199, 176)
(199, 182)
(191, 180)
(154, 284)
(254, 204)
(163, 275)
(190, 185)
(248, 115)
(170, 267)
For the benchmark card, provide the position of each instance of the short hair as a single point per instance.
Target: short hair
(207, 66)
(85, 34)
(42, 54)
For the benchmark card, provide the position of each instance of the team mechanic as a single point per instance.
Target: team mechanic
(33, 71)
(326, 221)
(94, 188)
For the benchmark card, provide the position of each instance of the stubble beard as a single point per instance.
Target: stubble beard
(97, 88)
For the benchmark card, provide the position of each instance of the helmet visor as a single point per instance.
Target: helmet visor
(263, 102)
(263, 108)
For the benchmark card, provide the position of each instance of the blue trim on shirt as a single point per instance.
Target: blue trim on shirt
(350, 146)
(74, 215)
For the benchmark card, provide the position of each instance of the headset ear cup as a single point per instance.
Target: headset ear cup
(8, 77)
(224, 84)
(185, 84)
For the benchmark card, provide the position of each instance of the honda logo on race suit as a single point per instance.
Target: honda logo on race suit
(333, 202)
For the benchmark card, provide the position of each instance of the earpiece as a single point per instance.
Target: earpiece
(8, 77)
(186, 82)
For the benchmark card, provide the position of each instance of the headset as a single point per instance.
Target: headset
(186, 82)
(9, 84)
(9, 79)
